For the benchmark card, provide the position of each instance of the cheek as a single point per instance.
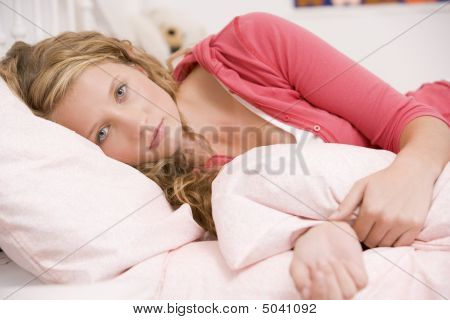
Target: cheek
(123, 152)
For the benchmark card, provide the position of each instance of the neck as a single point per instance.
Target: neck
(200, 98)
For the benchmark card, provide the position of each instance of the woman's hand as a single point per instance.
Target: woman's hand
(327, 262)
(394, 204)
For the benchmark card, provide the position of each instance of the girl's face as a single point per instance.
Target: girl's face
(119, 108)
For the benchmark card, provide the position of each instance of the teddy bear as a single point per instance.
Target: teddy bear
(163, 31)
(158, 30)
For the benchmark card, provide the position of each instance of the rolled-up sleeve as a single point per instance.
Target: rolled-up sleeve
(330, 80)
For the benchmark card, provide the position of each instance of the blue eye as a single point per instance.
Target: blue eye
(121, 91)
(100, 139)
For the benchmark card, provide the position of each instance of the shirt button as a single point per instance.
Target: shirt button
(286, 117)
(316, 128)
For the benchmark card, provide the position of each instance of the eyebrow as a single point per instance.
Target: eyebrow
(111, 89)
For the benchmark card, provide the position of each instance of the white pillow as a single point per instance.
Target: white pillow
(66, 206)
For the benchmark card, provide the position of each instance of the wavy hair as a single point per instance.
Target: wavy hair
(42, 74)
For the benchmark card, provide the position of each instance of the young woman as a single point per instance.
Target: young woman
(261, 80)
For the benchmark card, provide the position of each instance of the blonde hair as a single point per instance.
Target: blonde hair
(41, 76)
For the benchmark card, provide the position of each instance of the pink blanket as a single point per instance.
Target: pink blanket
(260, 215)
(259, 211)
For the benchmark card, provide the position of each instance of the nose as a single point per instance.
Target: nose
(133, 126)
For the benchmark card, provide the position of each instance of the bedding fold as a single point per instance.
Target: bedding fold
(260, 215)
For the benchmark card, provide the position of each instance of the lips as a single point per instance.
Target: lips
(156, 136)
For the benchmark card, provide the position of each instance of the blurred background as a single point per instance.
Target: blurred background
(405, 43)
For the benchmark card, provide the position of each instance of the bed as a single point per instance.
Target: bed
(138, 282)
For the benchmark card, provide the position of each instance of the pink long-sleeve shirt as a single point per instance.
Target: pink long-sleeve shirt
(296, 77)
